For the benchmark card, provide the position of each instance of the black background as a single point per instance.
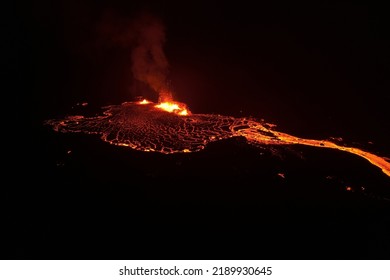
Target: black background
(316, 70)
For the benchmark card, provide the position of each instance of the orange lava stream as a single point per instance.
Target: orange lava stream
(283, 138)
(373, 159)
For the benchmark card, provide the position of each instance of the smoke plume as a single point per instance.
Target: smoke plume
(145, 37)
(149, 62)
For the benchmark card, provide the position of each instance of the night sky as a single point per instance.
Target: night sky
(316, 70)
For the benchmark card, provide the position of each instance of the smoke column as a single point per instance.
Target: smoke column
(143, 37)
(149, 63)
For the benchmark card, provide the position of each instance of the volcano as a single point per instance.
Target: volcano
(278, 148)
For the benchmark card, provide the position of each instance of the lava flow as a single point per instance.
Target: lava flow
(169, 127)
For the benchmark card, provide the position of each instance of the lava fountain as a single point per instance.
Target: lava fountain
(174, 107)
(169, 127)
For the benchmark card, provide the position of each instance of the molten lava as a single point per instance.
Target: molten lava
(144, 102)
(169, 106)
(173, 107)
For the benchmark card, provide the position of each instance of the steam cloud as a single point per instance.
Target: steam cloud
(145, 35)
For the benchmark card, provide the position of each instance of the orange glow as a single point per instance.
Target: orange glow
(184, 113)
(144, 102)
(173, 107)
(252, 134)
(348, 188)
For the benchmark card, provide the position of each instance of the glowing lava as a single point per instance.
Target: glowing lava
(169, 127)
(144, 102)
(173, 107)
